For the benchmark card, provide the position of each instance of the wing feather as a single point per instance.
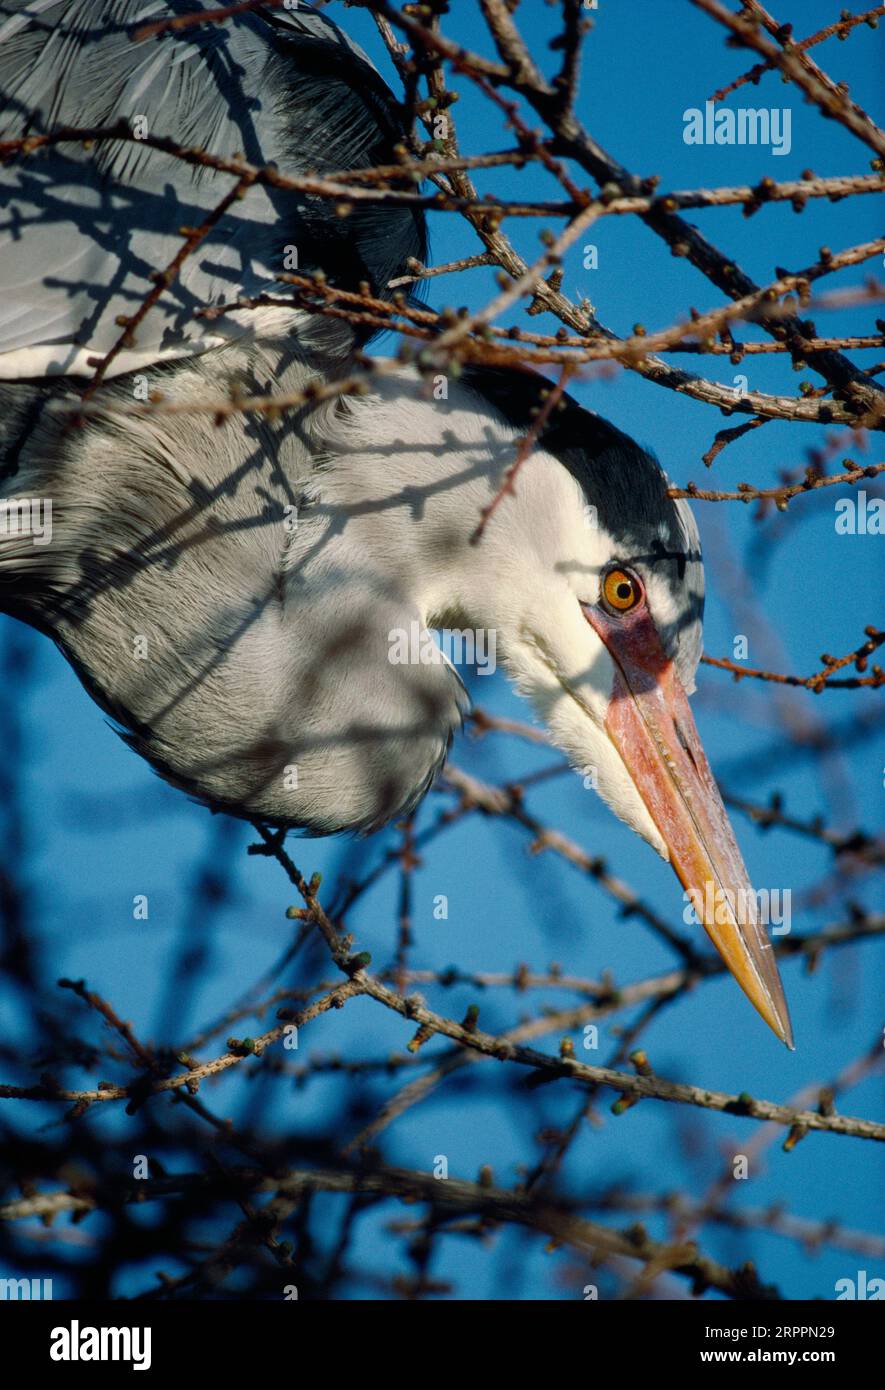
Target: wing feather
(81, 229)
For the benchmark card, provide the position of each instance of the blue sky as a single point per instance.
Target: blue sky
(100, 828)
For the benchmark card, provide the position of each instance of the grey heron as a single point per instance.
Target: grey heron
(228, 596)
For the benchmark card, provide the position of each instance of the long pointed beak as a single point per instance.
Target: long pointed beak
(650, 723)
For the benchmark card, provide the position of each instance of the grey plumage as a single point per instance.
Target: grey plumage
(81, 230)
(251, 604)
(268, 647)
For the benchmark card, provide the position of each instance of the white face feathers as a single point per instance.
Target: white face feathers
(405, 485)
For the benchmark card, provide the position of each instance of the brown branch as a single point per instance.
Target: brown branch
(811, 1235)
(342, 194)
(857, 843)
(682, 237)
(798, 67)
(821, 679)
(508, 802)
(556, 1222)
(605, 1000)
(193, 1075)
(193, 236)
(468, 1035)
(842, 28)
(781, 496)
(423, 272)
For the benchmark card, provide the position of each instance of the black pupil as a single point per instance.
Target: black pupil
(625, 591)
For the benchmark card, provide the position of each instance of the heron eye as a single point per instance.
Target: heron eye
(620, 591)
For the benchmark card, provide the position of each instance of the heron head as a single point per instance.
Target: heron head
(589, 575)
(601, 628)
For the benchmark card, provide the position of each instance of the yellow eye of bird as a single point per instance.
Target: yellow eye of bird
(620, 591)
